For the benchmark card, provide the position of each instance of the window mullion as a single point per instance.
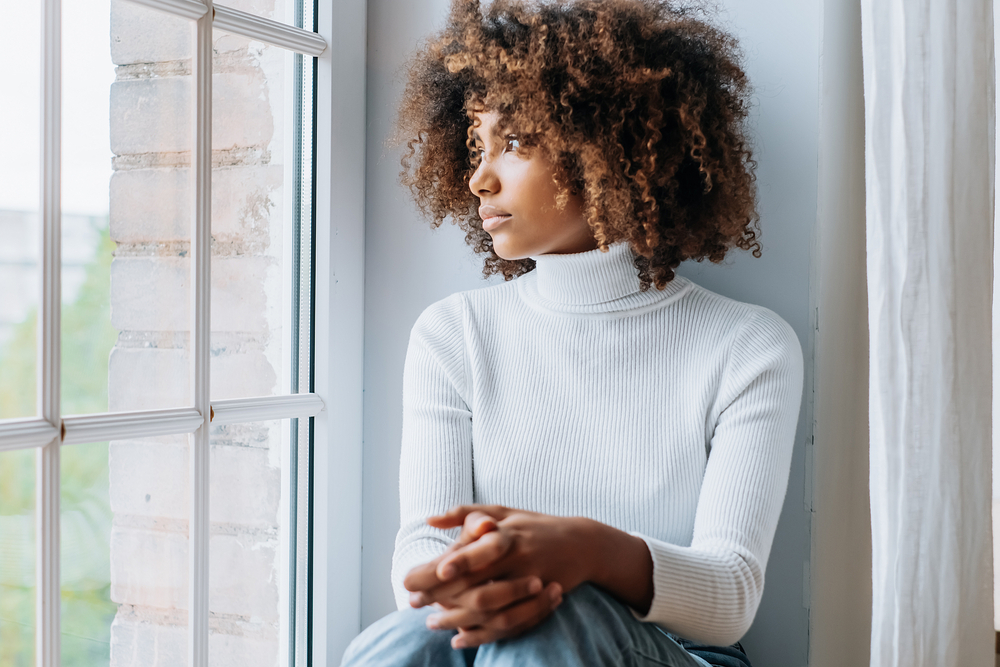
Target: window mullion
(189, 9)
(81, 429)
(47, 649)
(26, 433)
(198, 592)
(268, 31)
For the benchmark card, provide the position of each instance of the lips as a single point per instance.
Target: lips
(492, 216)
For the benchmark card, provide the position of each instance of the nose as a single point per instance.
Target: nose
(484, 180)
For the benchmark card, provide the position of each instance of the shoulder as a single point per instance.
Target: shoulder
(455, 312)
(754, 337)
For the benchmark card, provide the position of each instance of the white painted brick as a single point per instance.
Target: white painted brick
(151, 205)
(143, 35)
(151, 115)
(149, 483)
(238, 297)
(247, 204)
(148, 378)
(143, 644)
(245, 483)
(243, 577)
(225, 650)
(154, 115)
(152, 293)
(241, 114)
(154, 205)
(149, 568)
(242, 374)
(149, 478)
(245, 488)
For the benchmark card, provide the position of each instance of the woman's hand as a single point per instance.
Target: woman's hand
(502, 551)
(483, 611)
(499, 542)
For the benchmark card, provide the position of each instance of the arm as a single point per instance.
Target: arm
(435, 468)
(710, 589)
(436, 473)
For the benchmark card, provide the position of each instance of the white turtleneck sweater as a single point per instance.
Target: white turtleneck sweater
(668, 414)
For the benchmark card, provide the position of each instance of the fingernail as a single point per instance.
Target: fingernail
(434, 621)
(457, 642)
(555, 593)
(535, 586)
(557, 602)
(448, 571)
(416, 600)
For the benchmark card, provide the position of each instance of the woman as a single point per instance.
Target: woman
(594, 454)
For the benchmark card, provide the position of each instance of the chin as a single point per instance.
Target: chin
(509, 251)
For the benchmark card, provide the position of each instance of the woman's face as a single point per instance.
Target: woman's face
(517, 198)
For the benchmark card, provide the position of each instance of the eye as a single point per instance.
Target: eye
(513, 144)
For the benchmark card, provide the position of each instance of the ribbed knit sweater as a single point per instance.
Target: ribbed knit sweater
(669, 414)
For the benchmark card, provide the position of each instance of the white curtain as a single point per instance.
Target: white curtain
(928, 73)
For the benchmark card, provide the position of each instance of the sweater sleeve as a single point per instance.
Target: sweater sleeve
(709, 591)
(435, 468)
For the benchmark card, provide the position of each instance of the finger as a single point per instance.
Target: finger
(476, 556)
(455, 517)
(512, 621)
(424, 576)
(478, 604)
(448, 593)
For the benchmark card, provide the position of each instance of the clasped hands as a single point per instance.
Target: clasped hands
(505, 573)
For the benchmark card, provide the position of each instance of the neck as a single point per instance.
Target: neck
(593, 282)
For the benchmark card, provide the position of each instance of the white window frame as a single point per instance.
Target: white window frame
(339, 47)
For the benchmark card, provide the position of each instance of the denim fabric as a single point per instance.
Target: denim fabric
(589, 629)
(717, 656)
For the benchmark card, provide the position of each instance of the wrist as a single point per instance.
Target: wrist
(594, 541)
(619, 563)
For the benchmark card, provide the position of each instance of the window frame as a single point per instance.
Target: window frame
(335, 404)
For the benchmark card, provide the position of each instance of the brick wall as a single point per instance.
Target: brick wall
(149, 368)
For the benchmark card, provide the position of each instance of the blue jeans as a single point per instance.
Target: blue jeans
(589, 629)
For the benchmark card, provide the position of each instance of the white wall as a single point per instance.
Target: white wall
(409, 266)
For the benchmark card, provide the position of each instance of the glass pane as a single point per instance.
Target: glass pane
(126, 208)
(20, 71)
(261, 218)
(253, 546)
(17, 558)
(124, 521)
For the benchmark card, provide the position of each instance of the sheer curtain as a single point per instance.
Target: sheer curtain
(928, 72)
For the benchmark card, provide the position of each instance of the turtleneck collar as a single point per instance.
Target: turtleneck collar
(594, 282)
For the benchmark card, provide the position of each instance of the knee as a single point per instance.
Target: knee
(399, 639)
(588, 628)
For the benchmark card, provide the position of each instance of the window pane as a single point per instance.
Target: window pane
(20, 71)
(126, 208)
(124, 521)
(253, 547)
(261, 217)
(17, 558)
(85, 524)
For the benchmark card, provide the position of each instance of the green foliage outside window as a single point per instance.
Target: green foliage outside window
(87, 610)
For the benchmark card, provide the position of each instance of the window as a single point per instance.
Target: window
(156, 497)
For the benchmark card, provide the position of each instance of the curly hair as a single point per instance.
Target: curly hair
(640, 104)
